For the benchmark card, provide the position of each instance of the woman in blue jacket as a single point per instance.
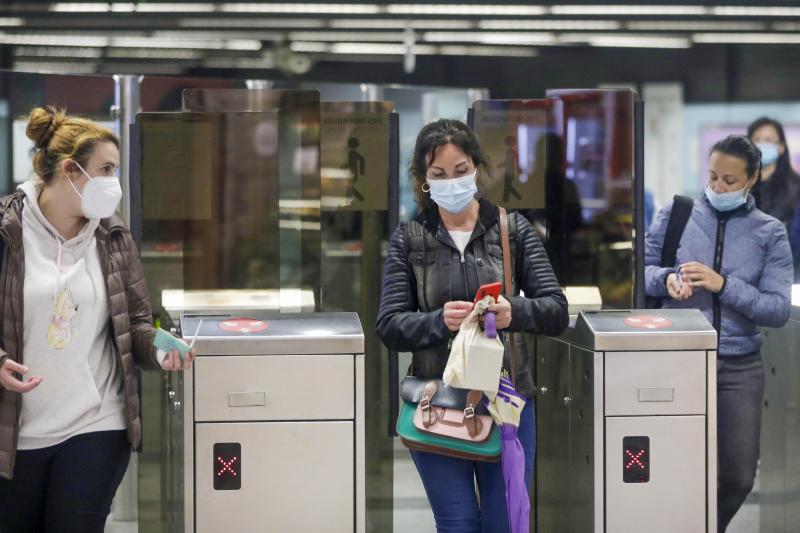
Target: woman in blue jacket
(734, 264)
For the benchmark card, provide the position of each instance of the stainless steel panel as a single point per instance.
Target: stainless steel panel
(295, 387)
(656, 394)
(583, 444)
(246, 399)
(675, 497)
(361, 447)
(779, 471)
(187, 416)
(792, 381)
(607, 331)
(711, 443)
(553, 482)
(276, 494)
(286, 333)
(630, 375)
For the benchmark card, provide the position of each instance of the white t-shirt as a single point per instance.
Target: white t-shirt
(461, 239)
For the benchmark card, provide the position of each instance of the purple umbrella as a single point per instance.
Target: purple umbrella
(506, 408)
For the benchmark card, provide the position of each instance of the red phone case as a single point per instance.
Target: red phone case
(493, 289)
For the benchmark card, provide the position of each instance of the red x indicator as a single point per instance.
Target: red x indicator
(634, 459)
(227, 466)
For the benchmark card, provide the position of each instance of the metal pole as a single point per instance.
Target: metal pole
(126, 107)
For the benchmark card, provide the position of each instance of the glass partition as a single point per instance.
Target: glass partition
(514, 137)
(567, 163)
(359, 184)
(228, 203)
(357, 151)
(591, 209)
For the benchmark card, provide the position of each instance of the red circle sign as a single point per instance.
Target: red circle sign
(648, 322)
(243, 325)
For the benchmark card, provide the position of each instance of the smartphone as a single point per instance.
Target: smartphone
(491, 289)
(167, 342)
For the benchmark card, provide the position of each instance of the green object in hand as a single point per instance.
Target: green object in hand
(167, 342)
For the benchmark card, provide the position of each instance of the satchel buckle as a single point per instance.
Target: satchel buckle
(469, 412)
(425, 404)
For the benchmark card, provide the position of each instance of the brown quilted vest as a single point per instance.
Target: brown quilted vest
(130, 316)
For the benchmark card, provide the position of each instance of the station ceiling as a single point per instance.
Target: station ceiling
(293, 38)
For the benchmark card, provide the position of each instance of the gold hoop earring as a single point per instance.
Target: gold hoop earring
(428, 187)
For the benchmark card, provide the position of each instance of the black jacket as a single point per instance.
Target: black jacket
(779, 195)
(424, 271)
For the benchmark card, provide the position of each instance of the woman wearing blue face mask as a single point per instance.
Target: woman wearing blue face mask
(734, 264)
(778, 192)
(436, 263)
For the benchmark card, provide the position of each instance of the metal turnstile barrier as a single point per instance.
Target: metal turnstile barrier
(627, 424)
(273, 419)
(779, 468)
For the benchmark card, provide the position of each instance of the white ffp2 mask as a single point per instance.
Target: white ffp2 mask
(100, 196)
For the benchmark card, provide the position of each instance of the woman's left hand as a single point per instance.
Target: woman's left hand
(503, 309)
(172, 360)
(700, 275)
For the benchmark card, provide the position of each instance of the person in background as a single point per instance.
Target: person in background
(735, 265)
(75, 321)
(778, 193)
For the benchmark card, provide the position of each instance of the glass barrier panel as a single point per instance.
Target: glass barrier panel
(358, 147)
(229, 206)
(590, 210)
(514, 137)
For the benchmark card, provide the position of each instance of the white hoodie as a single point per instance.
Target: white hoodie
(66, 334)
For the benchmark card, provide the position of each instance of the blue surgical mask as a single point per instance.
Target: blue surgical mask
(454, 195)
(726, 201)
(769, 153)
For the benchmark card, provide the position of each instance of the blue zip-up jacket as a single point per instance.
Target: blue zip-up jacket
(750, 250)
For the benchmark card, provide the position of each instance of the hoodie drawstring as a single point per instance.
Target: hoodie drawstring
(58, 272)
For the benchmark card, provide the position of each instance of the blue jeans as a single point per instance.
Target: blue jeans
(450, 485)
(740, 393)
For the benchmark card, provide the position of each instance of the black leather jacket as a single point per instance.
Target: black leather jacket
(424, 270)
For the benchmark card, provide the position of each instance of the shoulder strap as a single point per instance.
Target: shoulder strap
(415, 235)
(678, 218)
(509, 288)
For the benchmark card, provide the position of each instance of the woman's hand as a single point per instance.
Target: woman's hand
(678, 291)
(10, 382)
(455, 313)
(699, 275)
(172, 360)
(503, 310)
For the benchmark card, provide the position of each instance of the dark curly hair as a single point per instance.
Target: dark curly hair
(430, 138)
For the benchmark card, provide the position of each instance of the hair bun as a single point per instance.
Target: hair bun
(42, 125)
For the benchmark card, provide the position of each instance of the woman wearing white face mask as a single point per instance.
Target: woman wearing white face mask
(436, 263)
(778, 193)
(75, 321)
(734, 264)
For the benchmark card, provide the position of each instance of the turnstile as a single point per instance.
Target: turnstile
(627, 424)
(273, 415)
(779, 468)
